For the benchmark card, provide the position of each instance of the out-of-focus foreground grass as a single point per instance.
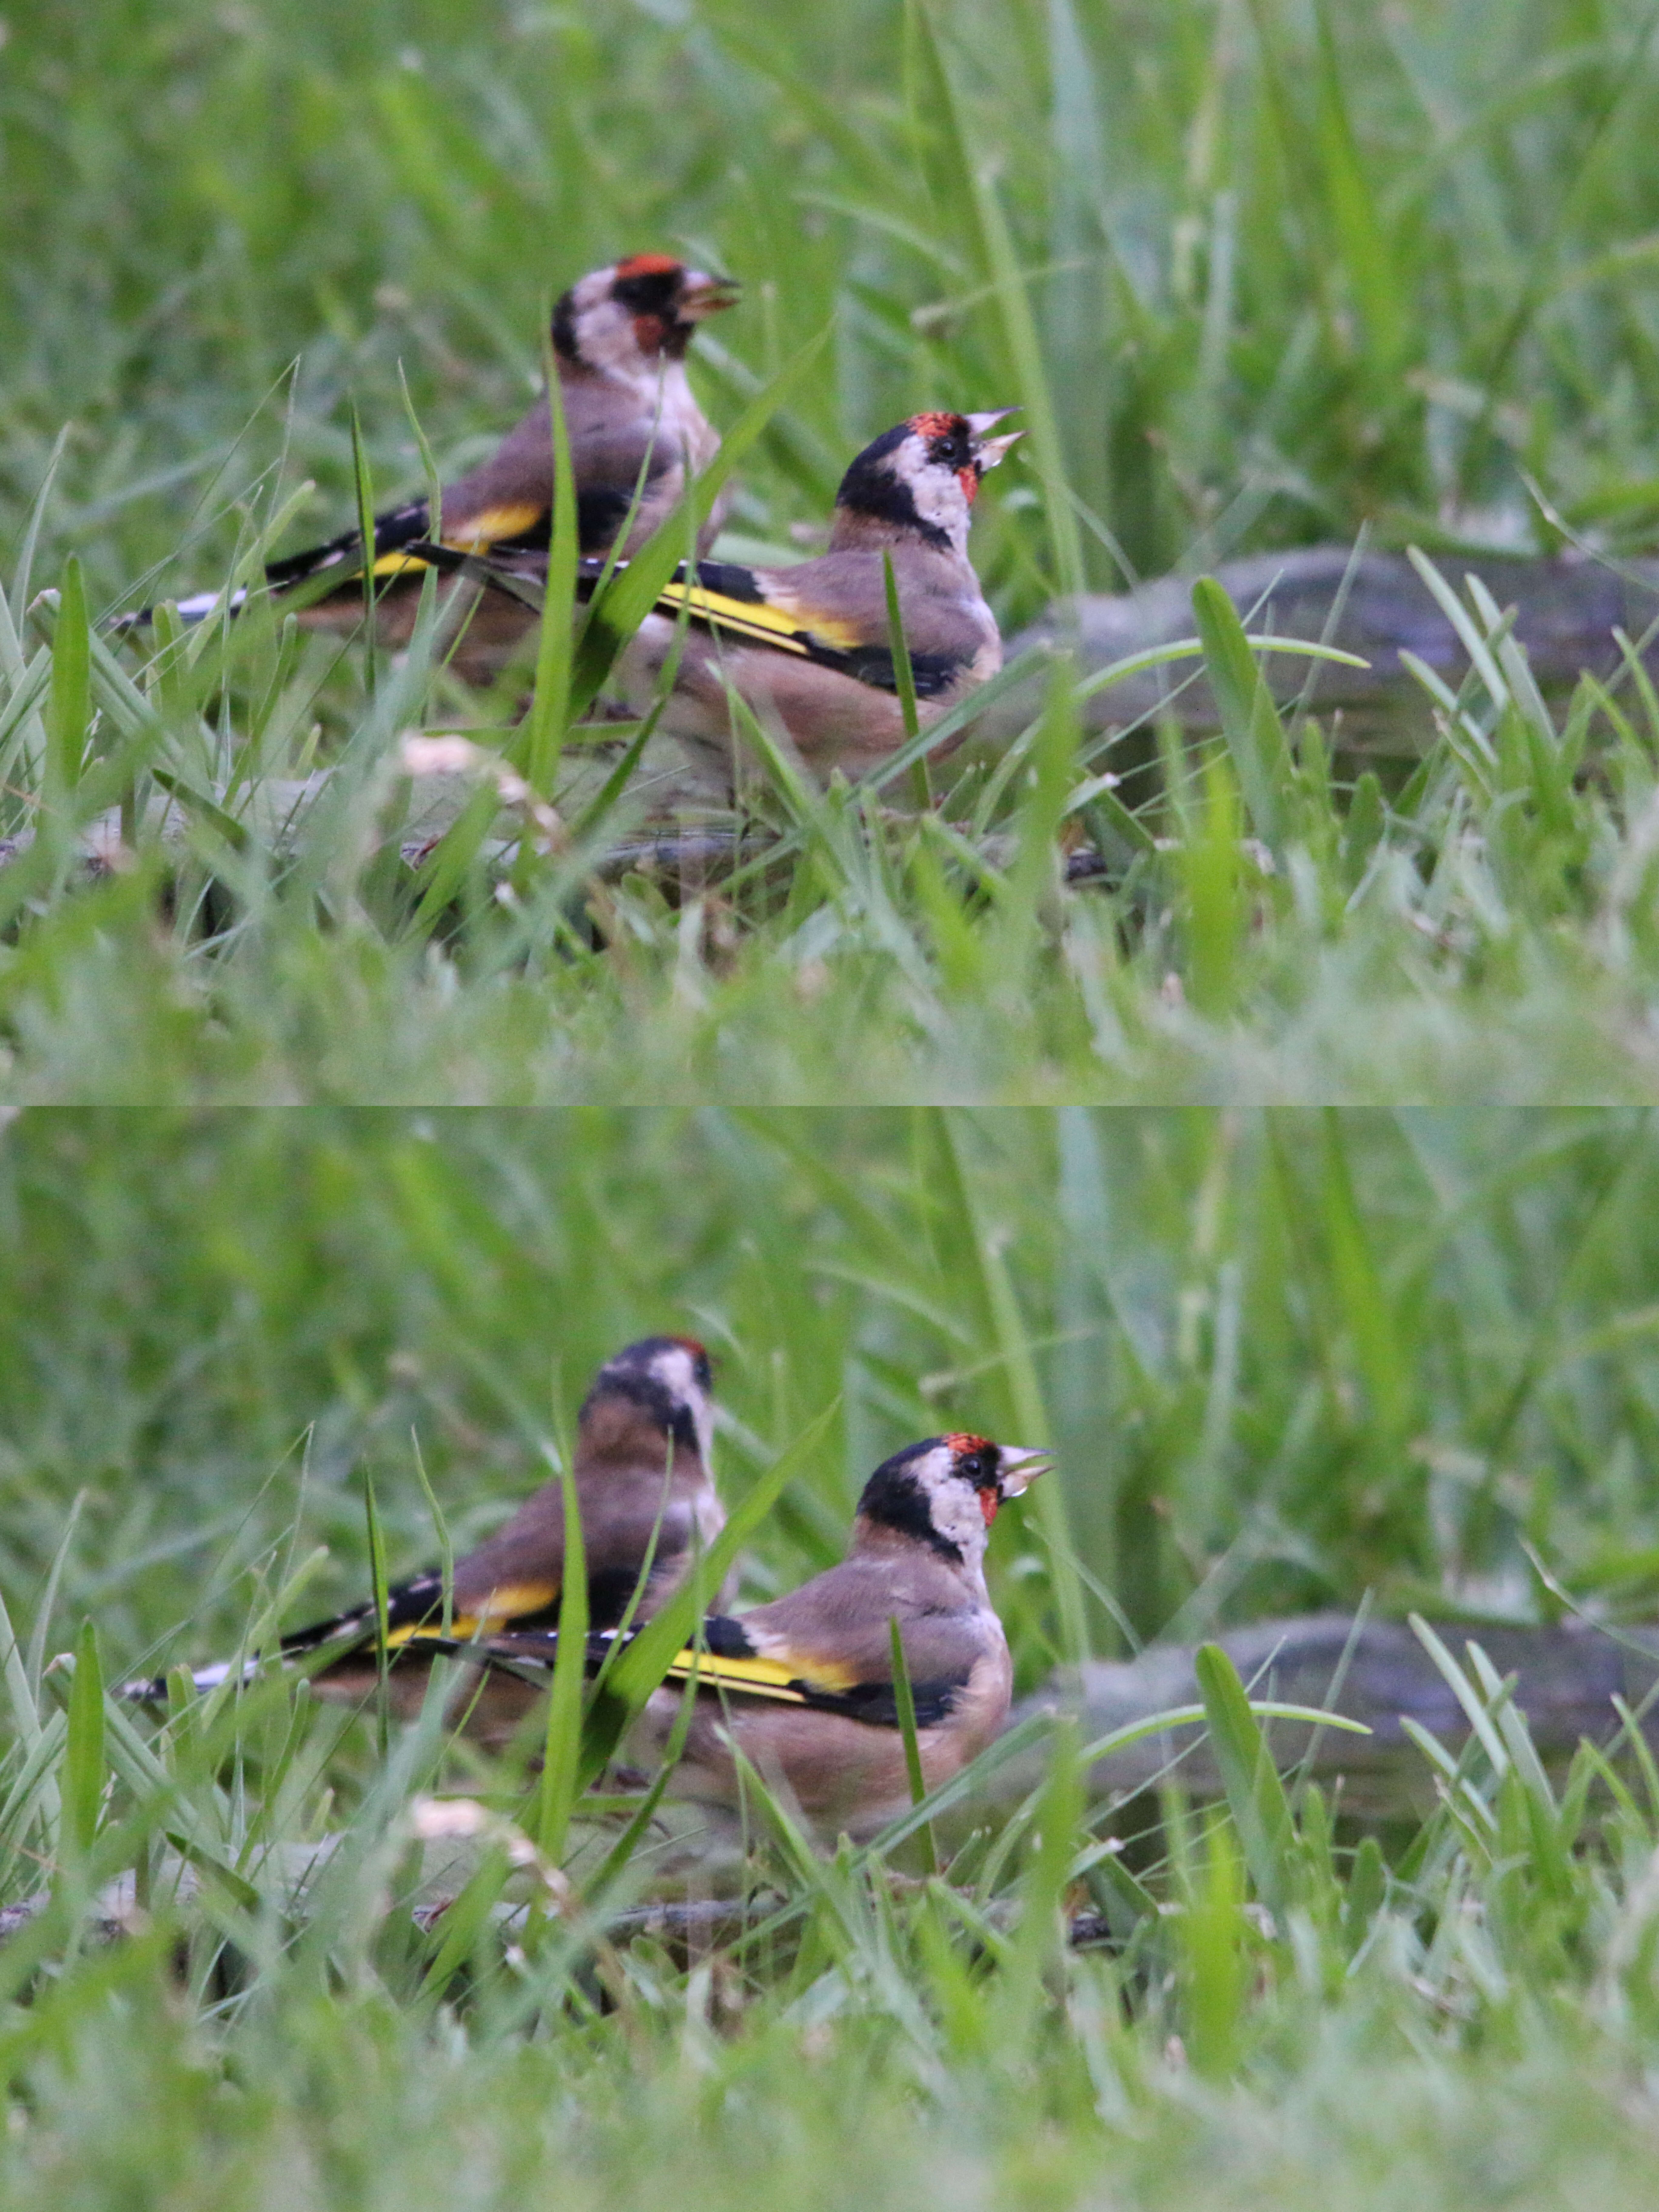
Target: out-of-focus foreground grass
(1285, 1359)
(1258, 274)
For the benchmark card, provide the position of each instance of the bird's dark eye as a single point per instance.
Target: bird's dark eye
(973, 1466)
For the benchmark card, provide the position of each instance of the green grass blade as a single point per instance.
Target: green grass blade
(1256, 736)
(1255, 1793)
(542, 740)
(83, 1749)
(906, 1703)
(563, 1744)
(1216, 911)
(1032, 391)
(1476, 1708)
(23, 1697)
(1120, 1739)
(362, 485)
(435, 484)
(69, 706)
(35, 1656)
(1213, 1933)
(1360, 229)
(905, 678)
(441, 1530)
(378, 1591)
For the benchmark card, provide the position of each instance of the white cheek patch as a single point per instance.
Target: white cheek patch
(935, 492)
(677, 1372)
(609, 342)
(955, 1513)
(673, 1370)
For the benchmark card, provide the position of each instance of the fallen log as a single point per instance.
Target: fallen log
(1566, 608)
(1377, 1672)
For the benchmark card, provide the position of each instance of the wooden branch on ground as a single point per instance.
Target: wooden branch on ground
(1566, 609)
(1566, 1677)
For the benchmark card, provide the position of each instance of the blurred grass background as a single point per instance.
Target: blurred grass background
(1287, 1358)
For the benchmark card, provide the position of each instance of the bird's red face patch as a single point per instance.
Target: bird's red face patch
(964, 1446)
(950, 442)
(649, 332)
(648, 264)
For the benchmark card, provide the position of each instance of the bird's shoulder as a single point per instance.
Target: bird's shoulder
(837, 1629)
(834, 609)
(610, 439)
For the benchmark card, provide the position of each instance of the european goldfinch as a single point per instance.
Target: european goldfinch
(809, 649)
(619, 340)
(647, 1505)
(804, 1686)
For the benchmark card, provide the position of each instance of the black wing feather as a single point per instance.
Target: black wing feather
(394, 532)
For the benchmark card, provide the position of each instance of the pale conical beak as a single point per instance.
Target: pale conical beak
(1020, 1464)
(988, 452)
(702, 295)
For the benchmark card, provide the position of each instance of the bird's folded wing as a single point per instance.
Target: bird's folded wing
(413, 1615)
(415, 1622)
(774, 610)
(398, 538)
(728, 1660)
(744, 603)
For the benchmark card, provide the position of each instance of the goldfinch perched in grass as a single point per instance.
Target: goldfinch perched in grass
(804, 1688)
(619, 341)
(809, 649)
(647, 1505)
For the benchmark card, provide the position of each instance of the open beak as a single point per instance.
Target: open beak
(988, 452)
(1020, 1464)
(702, 295)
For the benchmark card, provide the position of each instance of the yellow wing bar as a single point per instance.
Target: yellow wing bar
(509, 1603)
(462, 1630)
(399, 564)
(759, 1678)
(757, 620)
(480, 532)
(491, 524)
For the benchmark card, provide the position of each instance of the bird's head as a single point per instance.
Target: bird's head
(946, 1492)
(668, 1380)
(921, 478)
(626, 320)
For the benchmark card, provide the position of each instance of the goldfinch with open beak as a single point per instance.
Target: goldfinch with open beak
(804, 1686)
(647, 1505)
(635, 429)
(809, 649)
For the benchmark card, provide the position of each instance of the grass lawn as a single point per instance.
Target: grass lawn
(1259, 275)
(1296, 1177)
(1286, 1359)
